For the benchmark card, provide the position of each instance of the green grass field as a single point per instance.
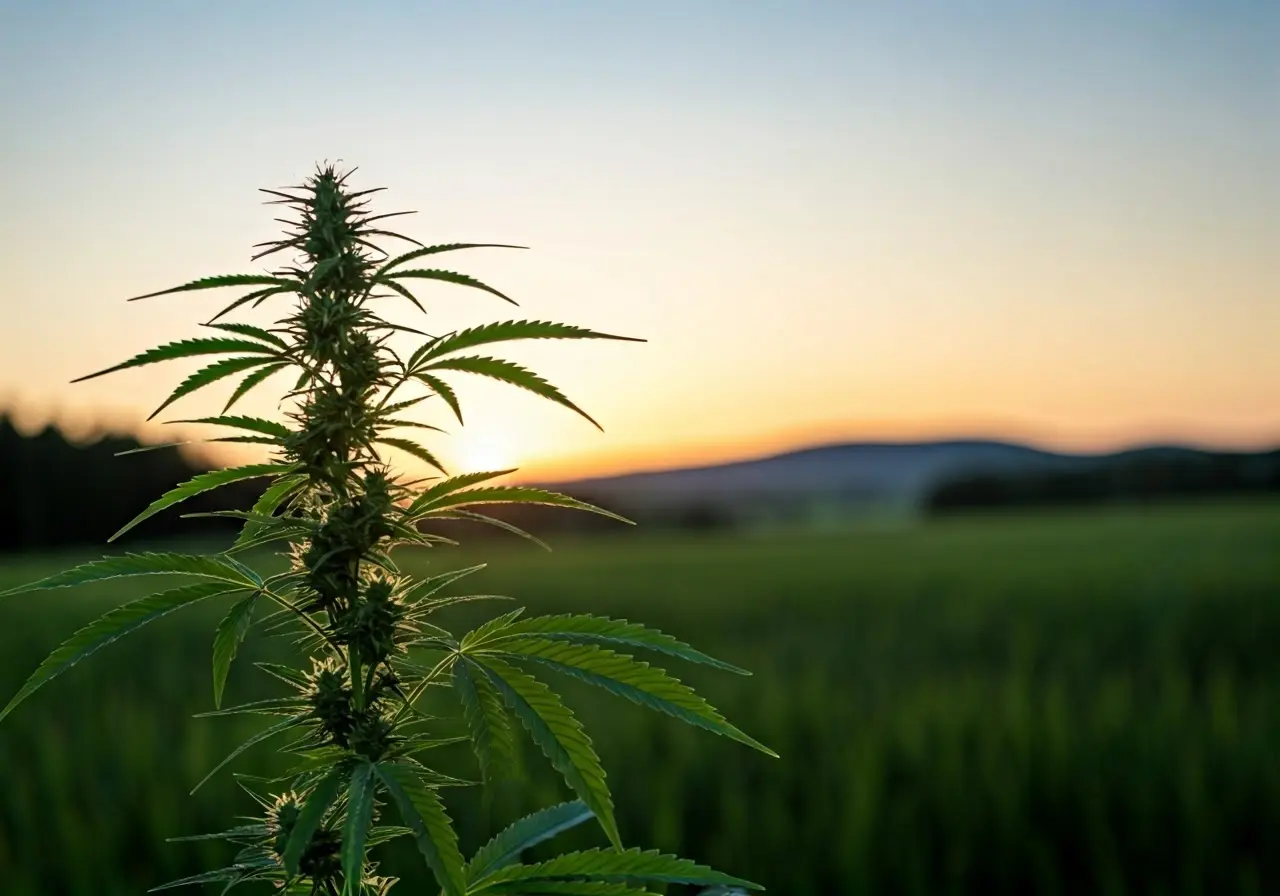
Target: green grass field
(1083, 702)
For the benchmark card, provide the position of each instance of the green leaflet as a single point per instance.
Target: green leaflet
(484, 632)
(491, 735)
(431, 606)
(424, 813)
(274, 495)
(240, 832)
(617, 866)
(143, 564)
(252, 424)
(426, 587)
(258, 296)
(504, 494)
(448, 486)
(505, 331)
(511, 373)
(560, 735)
(315, 760)
(112, 626)
(389, 424)
(254, 379)
(497, 524)
(253, 333)
(210, 374)
(272, 706)
(267, 537)
(185, 348)
(264, 734)
(411, 447)
(630, 678)
(231, 631)
(287, 674)
(585, 628)
(402, 290)
(389, 277)
(356, 830)
(397, 406)
(205, 482)
(435, 250)
(444, 390)
(317, 804)
(221, 281)
(506, 847)
(238, 872)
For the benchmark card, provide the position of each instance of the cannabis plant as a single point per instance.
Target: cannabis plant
(367, 630)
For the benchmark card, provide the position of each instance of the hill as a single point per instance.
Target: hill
(905, 478)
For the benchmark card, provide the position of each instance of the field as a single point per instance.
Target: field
(1083, 702)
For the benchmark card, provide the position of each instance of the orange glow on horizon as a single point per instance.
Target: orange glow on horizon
(483, 450)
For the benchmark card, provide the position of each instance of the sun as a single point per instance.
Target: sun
(480, 452)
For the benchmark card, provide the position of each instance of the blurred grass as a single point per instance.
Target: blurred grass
(1047, 703)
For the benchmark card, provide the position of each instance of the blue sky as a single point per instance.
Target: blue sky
(831, 220)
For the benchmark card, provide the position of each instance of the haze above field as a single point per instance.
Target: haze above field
(833, 222)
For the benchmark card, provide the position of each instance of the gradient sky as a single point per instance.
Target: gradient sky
(1051, 221)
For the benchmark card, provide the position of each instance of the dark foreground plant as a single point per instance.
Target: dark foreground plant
(359, 733)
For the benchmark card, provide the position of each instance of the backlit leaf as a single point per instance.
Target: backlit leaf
(275, 495)
(435, 250)
(631, 678)
(491, 735)
(506, 331)
(226, 640)
(559, 734)
(443, 276)
(112, 626)
(221, 281)
(410, 447)
(615, 865)
(505, 494)
(313, 810)
(205, 482)
(585, 628)
(252, 424)
(444, 390)
(453, 484)
(186, 348)
(264, 734)
(423, 812)
(143, 564)
(507, 846)
(210, 374)
(511, 373)
(356, 829)
(252, 332)
(249, 382)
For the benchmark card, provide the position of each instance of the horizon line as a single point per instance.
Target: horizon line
(723, 453)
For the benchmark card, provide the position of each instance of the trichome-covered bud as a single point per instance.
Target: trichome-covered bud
(281, 819)
(329, 695)
(369, 627)
(321, 857)
(372, 734)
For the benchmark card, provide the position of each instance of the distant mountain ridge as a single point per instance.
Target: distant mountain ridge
(883, 474)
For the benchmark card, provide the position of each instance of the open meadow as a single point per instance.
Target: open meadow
(1075, 702)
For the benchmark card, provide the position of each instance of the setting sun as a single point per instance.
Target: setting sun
(482, 452)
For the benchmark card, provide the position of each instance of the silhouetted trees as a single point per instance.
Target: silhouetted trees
(1132, 477)
(56, 493)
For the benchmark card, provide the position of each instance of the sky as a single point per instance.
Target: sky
(1055, 221)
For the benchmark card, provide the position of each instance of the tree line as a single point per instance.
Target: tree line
(58, 493)
(1133, 477)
